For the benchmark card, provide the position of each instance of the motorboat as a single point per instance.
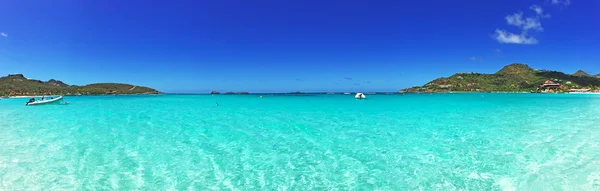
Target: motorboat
(46, 101)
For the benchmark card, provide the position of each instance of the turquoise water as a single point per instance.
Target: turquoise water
(323, 142)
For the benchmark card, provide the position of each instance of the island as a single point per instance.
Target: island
(515, 77)
(237, 93)
(18, 85)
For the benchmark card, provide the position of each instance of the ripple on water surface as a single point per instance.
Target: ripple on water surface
(388, 142)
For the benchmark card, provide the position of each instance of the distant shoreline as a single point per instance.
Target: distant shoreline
(312, 93)
(381, 93)
(388, 93)
(17, 85)
(39, 96)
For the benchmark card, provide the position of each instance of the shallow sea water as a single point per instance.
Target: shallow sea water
(322, 142)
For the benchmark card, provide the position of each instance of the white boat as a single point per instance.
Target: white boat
(360, 96)
(39, 102)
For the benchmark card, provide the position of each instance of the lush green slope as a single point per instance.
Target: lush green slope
(514, 77)
(17, 84)
(102, 88)
(581, 73)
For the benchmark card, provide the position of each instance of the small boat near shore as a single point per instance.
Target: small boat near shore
(39, 102)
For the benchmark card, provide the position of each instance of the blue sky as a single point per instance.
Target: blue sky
(281, 46)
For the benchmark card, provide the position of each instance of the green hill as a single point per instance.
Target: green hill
(103, 88)
(17, 84)
(513, 77)
(581, 73)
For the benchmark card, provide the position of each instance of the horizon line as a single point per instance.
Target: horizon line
(296, 92)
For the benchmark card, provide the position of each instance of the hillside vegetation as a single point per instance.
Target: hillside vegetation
(581, 73)
(514, 77)
(17, 84)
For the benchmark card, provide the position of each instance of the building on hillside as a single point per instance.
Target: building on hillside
(549, 86)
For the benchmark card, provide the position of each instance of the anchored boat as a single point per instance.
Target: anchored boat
(360, 96)
(39, 102)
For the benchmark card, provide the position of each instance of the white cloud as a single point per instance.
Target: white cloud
(539, 11)
(474, 58)
(561, 2)
(525, 24)
(497, 52)
(4, 34)
(505, 37)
